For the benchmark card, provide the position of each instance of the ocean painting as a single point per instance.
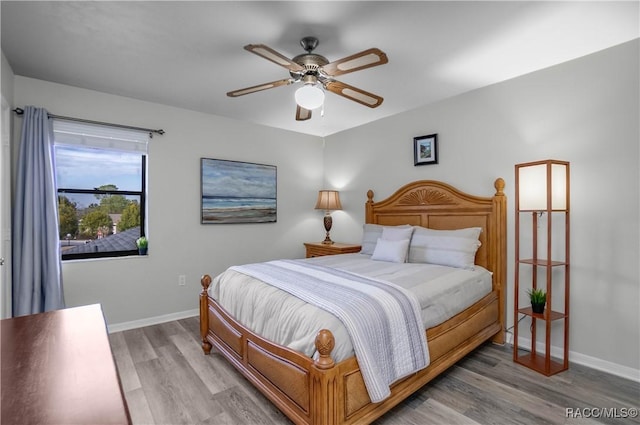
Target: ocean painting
(237, 192)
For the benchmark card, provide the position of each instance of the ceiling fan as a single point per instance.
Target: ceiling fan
(316, 73)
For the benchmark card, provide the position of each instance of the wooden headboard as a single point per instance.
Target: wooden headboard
(437, 205)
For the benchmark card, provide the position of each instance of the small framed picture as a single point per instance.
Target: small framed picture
(425, 150)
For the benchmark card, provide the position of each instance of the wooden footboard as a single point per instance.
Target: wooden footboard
(322, 392)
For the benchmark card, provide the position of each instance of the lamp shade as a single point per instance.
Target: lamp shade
(543, 185)
(309, 96)
(328, 200)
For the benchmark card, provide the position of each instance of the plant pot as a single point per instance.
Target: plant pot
(537, 308)
(142, 251)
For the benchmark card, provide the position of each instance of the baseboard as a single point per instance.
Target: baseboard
(125, 326)
(584, 360)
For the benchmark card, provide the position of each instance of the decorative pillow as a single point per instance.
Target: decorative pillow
(453, 248)
(372, 232)
(393, 251)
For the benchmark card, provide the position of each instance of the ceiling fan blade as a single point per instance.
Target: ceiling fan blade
(353, 93)
(275, 57)
(260, 87)
(302, 114)
(362, 60)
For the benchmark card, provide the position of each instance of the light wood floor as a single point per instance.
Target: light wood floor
(168, 380)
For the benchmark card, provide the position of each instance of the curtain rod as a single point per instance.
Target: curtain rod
(20, 111)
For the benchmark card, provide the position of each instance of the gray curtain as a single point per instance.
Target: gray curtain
(37, 271)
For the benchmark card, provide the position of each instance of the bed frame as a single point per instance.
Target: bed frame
(323, 392)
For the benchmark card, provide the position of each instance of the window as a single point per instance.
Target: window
(101, 183)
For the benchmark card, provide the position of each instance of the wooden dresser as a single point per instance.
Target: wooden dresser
(57, 368)
(317, 249)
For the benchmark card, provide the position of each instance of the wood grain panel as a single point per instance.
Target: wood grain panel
(290, 378)
(397, 219)
(355, 393)
(57, 368)
(225, 332)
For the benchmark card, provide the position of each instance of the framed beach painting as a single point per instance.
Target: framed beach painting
(237, 192)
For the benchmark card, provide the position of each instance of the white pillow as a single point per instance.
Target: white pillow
(397, 233)
(370, 235)
(453, 248)
(393, 251)
(372, 232)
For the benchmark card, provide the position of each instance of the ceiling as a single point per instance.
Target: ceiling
(190, 54)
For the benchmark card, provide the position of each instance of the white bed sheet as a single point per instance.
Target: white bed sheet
(442, 291)
(280, 317)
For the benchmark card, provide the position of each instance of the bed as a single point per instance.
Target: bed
(320, 390)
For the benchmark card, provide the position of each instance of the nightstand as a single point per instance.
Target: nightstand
(318, 249)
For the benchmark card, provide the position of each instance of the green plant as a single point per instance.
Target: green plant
(142, 242)
(537, 296)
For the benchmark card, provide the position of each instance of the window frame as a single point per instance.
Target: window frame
(143, 204)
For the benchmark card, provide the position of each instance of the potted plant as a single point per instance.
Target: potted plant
(538, 299)
(142, 243)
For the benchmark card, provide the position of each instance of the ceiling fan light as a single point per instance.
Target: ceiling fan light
(309, 96)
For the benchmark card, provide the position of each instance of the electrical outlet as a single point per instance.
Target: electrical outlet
(182, 280)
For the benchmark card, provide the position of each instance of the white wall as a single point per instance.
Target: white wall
(132, 289)
(7, 77)
(584, 111)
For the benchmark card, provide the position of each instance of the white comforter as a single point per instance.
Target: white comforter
(383, 319)
(282, 318)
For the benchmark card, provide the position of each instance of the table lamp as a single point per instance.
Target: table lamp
(328, 200)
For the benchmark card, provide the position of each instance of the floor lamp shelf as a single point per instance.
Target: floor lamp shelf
(542, 200)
